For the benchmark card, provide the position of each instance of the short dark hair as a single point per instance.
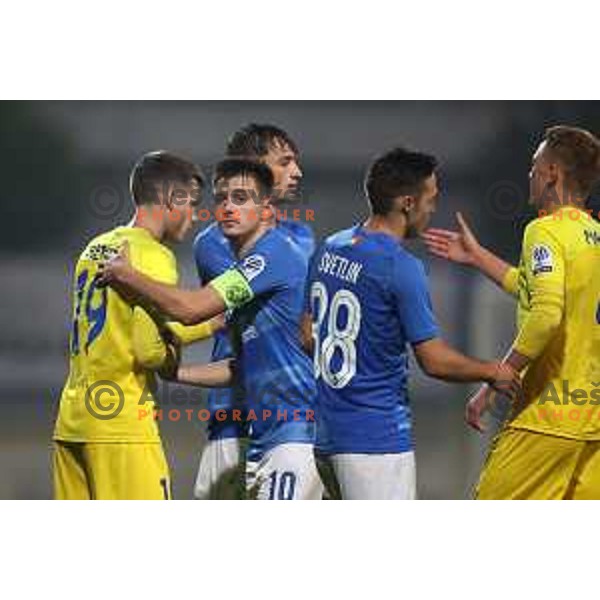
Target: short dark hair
(255, 140)
(578, 153)
(232, 167)
(396, 173)
(155, 168)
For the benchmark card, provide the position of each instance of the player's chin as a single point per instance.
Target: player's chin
(291, 194)
(230, 228)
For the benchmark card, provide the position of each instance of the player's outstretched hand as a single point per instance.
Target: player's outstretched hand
(457, 246)
(115, 269)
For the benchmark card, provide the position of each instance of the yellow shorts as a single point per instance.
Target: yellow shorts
(525, 465)
(94, 471)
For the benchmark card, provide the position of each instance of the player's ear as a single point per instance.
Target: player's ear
(408, 203)
(169, 200)
(553, 173)
(169, 191)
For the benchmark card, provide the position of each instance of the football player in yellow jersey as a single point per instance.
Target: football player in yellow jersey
(106, 441)
(550, 446)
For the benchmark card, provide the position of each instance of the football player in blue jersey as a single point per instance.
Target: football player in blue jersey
(263, 289)
(221, 462)
(366, 299)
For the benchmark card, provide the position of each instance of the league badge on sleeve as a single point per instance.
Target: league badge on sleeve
(252, 266)
(542, 260)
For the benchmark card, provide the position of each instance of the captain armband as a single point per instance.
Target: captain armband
(233, 288)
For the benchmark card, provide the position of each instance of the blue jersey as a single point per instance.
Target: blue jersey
(301, 234)
(368, 298)
(213, 255)
(277, 375)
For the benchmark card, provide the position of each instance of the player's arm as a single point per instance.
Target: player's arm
(419, 324)
(306, 335)
(543, 257)
(149, 347)
(189, 307)
(479, 402)
(188, 334)
(151, 338)
(215, 374)
(307, 339)
(162, 267)
(464, 248)
(440, 360)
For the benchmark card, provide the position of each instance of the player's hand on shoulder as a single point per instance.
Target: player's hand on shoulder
(115, 269)
(459, 246)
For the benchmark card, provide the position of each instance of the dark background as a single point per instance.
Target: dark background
(65, 167)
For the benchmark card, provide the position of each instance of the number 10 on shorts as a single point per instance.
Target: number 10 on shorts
(282, 485)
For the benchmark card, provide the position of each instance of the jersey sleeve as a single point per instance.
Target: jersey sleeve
(257, 275)
(411, 293)
(544, 261)
(510, 282)
(149, 348)
(188, 334)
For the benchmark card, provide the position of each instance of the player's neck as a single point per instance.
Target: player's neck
(553, 204)
(394, 226)
(241, 245)
(272, 219)
(154, 227)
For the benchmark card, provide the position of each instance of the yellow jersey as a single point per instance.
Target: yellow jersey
(113, 346)
(558, 317)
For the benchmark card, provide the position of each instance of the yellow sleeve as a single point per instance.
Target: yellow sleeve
(188, 334)
(510, 283)
(544, 261)
(149, 348)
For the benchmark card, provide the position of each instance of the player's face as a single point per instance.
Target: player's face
(182, 207)
(423, 207)
(287, 174)
(240, 206)
(542, 176)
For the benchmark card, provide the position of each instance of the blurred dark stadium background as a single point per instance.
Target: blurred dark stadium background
(64, 179)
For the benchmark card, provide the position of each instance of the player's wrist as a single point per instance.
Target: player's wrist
(491, 372)
(181, 375)
(477, 256)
